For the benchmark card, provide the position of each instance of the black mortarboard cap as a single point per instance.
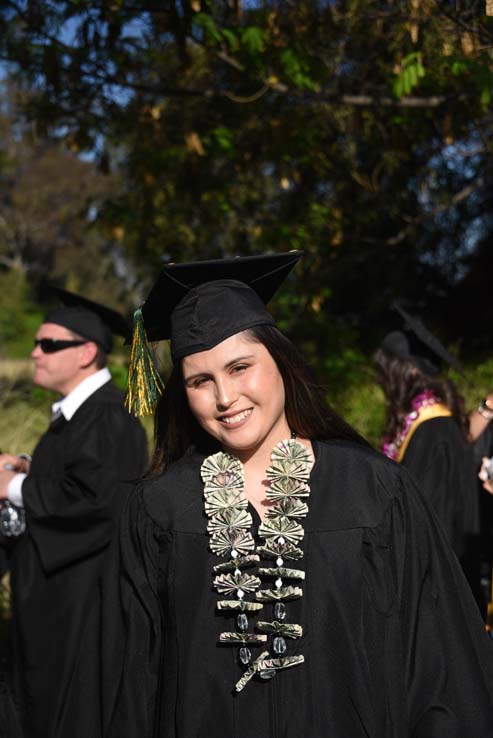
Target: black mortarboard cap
(199, 304)
(416, 344)
(89, 319)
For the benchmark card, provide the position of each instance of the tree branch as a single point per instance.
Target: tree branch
(455, 200)
(411, 101)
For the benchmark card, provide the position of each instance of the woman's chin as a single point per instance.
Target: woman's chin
(238, 444)
(240, 441)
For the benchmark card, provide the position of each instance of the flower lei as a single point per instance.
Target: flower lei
(391, 446)
(230, 534)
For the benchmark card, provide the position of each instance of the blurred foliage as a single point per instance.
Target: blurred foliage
(5, 615)
(24, 415)
(357, 131)
(19, 316)
(48, 198)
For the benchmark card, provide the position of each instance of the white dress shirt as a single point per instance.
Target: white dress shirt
(67, 407)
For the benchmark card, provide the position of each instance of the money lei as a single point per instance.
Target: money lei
(230, 530)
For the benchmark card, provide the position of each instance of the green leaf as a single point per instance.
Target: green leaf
(459, 66)
(206, 22)
(222, 138)
(253, 39)
(231, 39)
(409, 75)
(485, 98)
(296, 68)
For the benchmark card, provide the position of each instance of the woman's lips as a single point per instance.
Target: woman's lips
(237, 418)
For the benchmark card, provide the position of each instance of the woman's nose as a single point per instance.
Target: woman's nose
(225, 393)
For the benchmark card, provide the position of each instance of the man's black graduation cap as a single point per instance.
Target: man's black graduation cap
(416, 344)
(197, 305)
(89, 319)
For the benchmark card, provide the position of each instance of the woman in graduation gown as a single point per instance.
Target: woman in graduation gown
(276, 576)
(428, 431)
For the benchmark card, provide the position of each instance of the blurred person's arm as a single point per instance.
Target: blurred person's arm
(13, 471)
(480, 418)
(483, 475)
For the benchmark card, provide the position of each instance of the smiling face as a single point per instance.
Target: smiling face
(236, 393)
(63, 370)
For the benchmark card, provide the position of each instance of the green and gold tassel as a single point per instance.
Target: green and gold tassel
(144, 383)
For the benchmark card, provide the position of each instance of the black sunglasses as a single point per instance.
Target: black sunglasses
(51, 345)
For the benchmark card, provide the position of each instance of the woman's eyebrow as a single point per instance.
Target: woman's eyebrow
(239, 358)
(190, 377)
(194, 376)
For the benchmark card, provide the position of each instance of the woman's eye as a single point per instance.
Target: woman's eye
(199, 381)
(239, 368)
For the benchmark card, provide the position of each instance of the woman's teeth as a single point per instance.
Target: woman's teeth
(237, 418)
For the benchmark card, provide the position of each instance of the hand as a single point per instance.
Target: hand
(487, 483)
(480, 418)
(486, 407)
(14, 463)
(5, 478)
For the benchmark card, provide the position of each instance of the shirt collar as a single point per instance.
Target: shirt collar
(69, 405)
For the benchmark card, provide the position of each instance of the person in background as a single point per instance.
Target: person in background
(275, 576)
(480, 421)
(486, 474)
(427, 432)
(71, 493)
(481, 434)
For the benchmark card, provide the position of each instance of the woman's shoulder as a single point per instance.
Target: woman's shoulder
(436, 436)
(441, 428)
(358, 484)
(361, 456)
(175, 497)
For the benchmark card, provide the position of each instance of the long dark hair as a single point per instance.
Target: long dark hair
(177, 432)
(402, 380)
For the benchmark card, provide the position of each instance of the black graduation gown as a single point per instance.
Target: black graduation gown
(484, 447)
(393, 641)
(442, 463)
(72, 497)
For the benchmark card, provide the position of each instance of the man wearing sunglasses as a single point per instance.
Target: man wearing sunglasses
(71, 493)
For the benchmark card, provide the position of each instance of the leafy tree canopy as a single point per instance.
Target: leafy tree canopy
(358, 131)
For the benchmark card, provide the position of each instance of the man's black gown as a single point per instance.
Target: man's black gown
(393, 642)
(72, 497)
